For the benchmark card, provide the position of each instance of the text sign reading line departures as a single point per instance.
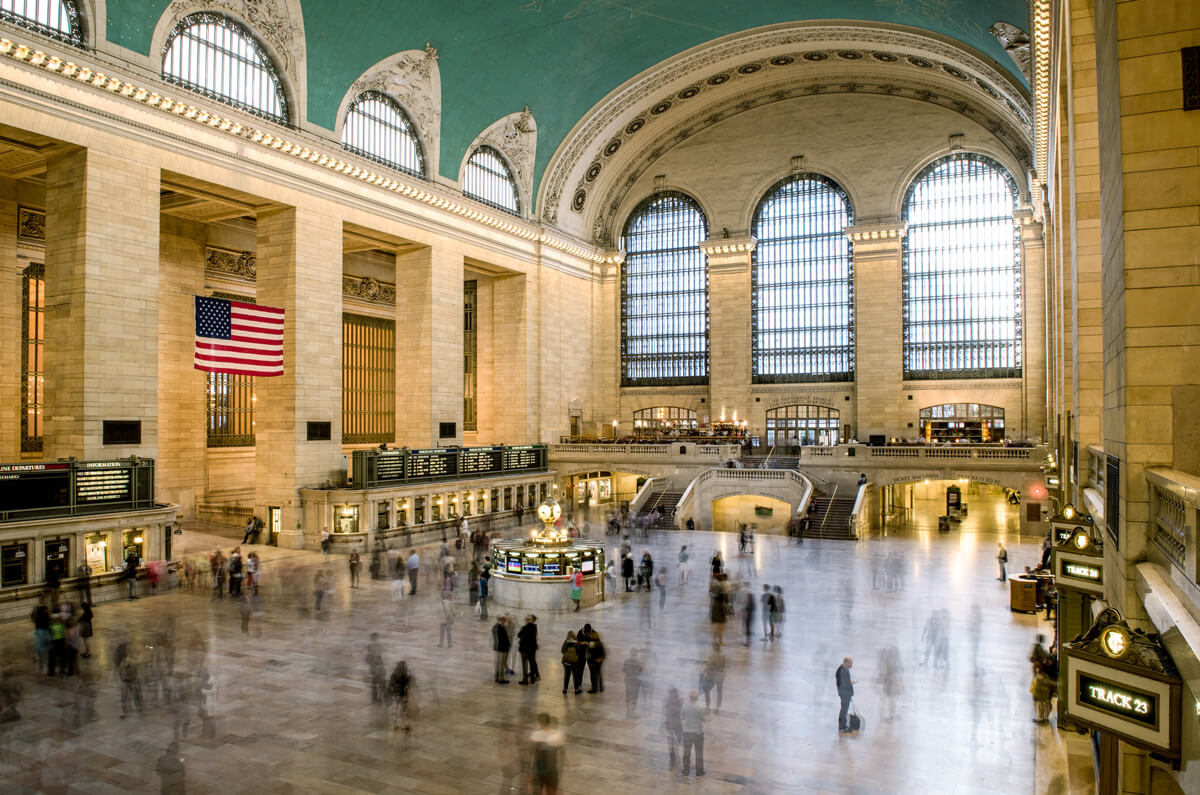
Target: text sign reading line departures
(1118, 700)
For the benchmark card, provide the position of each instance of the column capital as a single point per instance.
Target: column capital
(1031, 228)
(876, 236)
(728, 254)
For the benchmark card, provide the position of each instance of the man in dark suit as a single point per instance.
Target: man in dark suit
(501, 645)
(845, 689)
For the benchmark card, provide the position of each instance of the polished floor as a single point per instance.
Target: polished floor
(293, 712)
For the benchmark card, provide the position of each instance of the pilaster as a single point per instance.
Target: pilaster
(729, 339)
(878, 340)
(10, 321)
(102, 230)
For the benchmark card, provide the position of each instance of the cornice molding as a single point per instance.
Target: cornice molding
(227, 263)
(31, 225)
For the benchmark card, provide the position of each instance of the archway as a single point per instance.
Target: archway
(762, 514)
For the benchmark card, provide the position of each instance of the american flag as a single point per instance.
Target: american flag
(236, 337)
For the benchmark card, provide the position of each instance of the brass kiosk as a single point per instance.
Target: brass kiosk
(1077, 562)
(536, 572)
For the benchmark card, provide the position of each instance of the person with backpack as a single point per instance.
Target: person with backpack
(595, 662)
(571, 663)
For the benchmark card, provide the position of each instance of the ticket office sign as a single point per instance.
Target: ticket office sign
(1079, 572)
(1140, 706)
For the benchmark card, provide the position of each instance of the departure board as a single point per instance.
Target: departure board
(481, 460)
(103, 481)
(31, 486)
(522, 458)
(436, 463)
(389, 465)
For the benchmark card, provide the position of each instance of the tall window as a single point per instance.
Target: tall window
(33, 348)
(664, 293)
(58, 19)
(802, 305)
(229, 415)
(488, 179)
(792, 426)
(215, 56)
(376, 127)
(962, 272)
(470, 356)
(368, 379)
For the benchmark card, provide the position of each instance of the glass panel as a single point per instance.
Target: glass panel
(664, 293)
(470, 357)
(377, 128)
(802, 424)
(58, 19)
(487, 178)
(229, 408)
(962, 272)
(32, 357)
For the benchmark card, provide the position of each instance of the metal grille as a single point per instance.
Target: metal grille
(33, 362)
(368, 379)
(215, 56)
(962, 272)
(58, 19)
(470, 356)
(229, 414)
(487, 178)
(377, 128)
(792, 426)
(664, 293)
(802, 294)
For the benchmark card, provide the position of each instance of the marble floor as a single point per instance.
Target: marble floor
(293, 712)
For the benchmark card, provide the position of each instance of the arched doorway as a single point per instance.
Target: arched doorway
(802, 424)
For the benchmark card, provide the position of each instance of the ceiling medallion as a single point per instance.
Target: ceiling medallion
(950, 70)
(634, 126)
(749, 69)
(849, 55)
(815, 56)
(660, 108)
(782, 60)
(592, 172)
(886, 57)
(689, 92)
(717, 80)
(579, 200)
(612, 147)
(918, 61)
(991, 92)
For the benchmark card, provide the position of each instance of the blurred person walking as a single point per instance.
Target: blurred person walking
(400, 689)
(355, 563)
(748, 607)
(375, 670)
(414, 569)
(632, 669)
(547, 756)
(712, 675)
(718, 607)
(446, 625)
(1002, 561)
(683, 563)
(673, 724)
(778, 616)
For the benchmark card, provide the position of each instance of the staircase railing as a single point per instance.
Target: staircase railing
(860, 504)
(829, 507)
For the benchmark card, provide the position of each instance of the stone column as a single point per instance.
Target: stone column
(10, 320)
(429, 346)
(1033, 328)
(514, 361)
(878, 331)
(102, 214)
(300, 270)
(729, 326)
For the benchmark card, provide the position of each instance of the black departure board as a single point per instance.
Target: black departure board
(102, 482)
(524, 458)
(481, 460)
(25, 487)
(428, 464)
(389, 465)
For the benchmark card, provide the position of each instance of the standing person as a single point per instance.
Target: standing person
(1002, 561)
(595, 662)
(235, 572)
(718, 608)
(717, 565)
(768, 613)
(527, 648)
(500, 648)
(520, 513)
(748, 615)
(547, 752)
(633, 681)
(779, 609)
(41, 635)
(446, 627)
(845, 690)
(216, 565)
(249, 530)
(577, 588)
(85, 582)
(326, 538)
(132, 561)
(485, 574)
(648, 565)
(570, 656)
(683, 564)
(85, 627)
(253, 572)
(400, 686)
(691, 719)
(713, 675)
(673, 723)
(414, 568)
(447, 571)
(355, 564)
(627, 570)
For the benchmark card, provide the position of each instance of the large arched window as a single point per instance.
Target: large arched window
(802, 304)
(664, 293)
(962, 271)
(215, 56)
(487, 178)
(58, 19)
(376, 127)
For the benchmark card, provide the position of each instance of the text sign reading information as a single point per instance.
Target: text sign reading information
(1119, 700)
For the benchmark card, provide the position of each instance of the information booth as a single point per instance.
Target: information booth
(535, 572)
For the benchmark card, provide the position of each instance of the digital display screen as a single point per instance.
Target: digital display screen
(389, 465)
(1119, 700)
(424, 464)
(31, 486)
(103, 484)
(513, 565)
(588, 566)
(516, 458)
(481, 460)
(532, 568)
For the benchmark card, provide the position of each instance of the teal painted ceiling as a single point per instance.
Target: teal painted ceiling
(560, 57)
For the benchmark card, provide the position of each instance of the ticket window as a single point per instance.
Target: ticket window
(381, 515)
(96, 552)
(401, 513)
(545, 491)
(14, 564)
(508, 498)
(57, 556)
(481, 502)
(346, 519)
(436, 508)
(133, 541)
(418, 510)
(455, 499)
(495, 500)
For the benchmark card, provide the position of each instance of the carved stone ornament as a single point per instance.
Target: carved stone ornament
(272, 20)
(1123, 643)
(1016, 43)
(225, 263)
(31, 225)
(412, 79)
(365, 288)
(515, 136)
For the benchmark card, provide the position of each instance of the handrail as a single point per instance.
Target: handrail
(860, 501)
(642, 495)
(829, 507)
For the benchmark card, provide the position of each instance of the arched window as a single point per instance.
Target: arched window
(215, 56)
(487, 178)
(962, 272)
(802, 294)
(969, 422)
(58, 19)
(376, 127)
(664, 293)
(663, 419)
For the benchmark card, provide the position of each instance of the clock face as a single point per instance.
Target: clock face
(1114, 642)
(1081, 539)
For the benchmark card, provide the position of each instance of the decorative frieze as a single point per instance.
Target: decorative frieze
(224, 263)
(31, 225)
(372, 291)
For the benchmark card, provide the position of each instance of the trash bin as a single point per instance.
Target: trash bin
(1022, 594)
(943, 524)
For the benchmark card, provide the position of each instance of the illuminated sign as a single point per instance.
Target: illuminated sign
(1124, 702)
(1081, 571)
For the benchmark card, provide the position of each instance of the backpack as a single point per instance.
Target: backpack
(597, 651)
(570, 656)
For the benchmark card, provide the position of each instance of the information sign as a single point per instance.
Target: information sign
(524, 457)
(481, 460)
(428, 464)
(389, 465)
(103, 481)
(1120, 700)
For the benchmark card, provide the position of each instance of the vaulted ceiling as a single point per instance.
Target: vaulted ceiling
(560, 57)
